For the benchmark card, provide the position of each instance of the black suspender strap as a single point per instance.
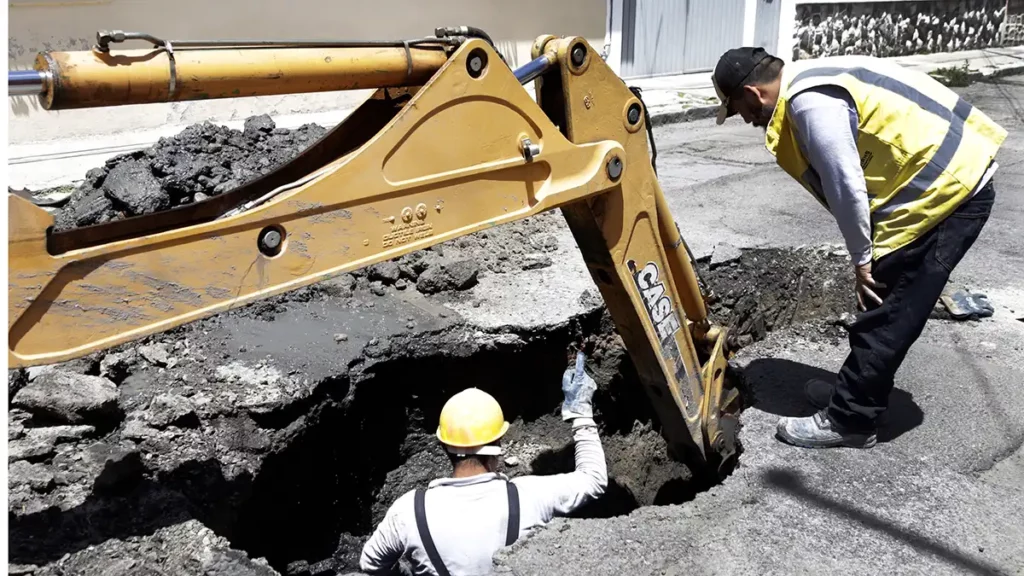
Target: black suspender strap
(513, 514)
(419, 505)
(428, 542)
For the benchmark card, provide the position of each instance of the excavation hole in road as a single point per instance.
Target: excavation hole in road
(316, 500)
(757, 291)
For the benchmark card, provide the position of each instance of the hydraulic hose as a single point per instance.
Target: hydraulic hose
(468, 32)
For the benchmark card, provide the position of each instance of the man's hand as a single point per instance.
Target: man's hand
(865, 284)
(579, 391)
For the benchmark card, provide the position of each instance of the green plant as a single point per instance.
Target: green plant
(954, 76)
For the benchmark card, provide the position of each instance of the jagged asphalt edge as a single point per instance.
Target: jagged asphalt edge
(459, 340)
(685, 115)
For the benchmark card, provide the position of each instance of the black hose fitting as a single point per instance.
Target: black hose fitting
(467, 32)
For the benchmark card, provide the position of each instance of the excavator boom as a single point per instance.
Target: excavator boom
(449, 144)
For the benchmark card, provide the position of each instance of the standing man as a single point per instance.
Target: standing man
(457, 524)
(905, 166)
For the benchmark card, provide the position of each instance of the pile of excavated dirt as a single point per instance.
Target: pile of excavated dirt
(206, 160)
(201, 161)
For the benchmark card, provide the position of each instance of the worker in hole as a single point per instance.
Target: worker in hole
(905, 166)
(456, 524)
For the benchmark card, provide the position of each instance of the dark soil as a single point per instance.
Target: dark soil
(201, 161)
(767, 289)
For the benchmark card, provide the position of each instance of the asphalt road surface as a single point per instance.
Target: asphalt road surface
(943, 491)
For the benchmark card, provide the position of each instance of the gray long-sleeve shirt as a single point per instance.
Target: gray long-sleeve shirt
(468, 517)
(826, 122)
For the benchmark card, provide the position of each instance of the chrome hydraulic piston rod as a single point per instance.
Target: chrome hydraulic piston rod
(26, 82)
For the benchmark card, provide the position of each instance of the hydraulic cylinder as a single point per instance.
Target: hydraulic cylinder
(92, 78)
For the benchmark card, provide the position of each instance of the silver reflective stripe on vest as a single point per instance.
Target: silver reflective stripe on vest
(947, 149)
(934, 168)
(881, 81)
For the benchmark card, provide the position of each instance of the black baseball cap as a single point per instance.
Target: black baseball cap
(731, 72)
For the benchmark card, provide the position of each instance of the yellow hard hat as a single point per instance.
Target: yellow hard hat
(469, 421)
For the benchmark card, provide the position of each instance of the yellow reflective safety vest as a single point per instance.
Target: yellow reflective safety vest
(923, 149)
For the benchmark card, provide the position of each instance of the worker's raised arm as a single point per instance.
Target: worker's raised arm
(590, 479)
(560, 494)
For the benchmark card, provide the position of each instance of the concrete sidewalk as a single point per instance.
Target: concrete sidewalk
(670, 99)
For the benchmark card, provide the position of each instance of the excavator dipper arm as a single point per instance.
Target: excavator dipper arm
(445, 147)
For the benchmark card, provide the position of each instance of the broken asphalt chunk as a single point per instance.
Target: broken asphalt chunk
(724, 254)
(38, 477)
(384, 272)
(155, 354)
(460, 275)
(132, 184)
(117, 466)
(70, 398)
(171, 410)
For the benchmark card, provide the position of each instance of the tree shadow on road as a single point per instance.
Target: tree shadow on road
(776, 386)
(792, 483)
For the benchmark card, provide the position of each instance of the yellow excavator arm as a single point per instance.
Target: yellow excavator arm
(449, 144)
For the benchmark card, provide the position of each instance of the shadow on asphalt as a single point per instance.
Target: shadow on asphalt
(139, 508)
(776, 386)
(792, 483)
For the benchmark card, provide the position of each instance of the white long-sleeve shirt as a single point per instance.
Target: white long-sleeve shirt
(468, 517)
(826, 122)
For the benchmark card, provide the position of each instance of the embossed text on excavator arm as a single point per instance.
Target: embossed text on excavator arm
(449, 144)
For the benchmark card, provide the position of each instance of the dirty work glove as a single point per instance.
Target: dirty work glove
(964, 305)
(579, 391)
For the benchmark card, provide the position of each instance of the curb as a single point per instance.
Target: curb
(1007, 71)
(973, 77)
(685, 115)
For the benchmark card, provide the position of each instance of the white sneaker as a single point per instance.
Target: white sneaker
(817, 431)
